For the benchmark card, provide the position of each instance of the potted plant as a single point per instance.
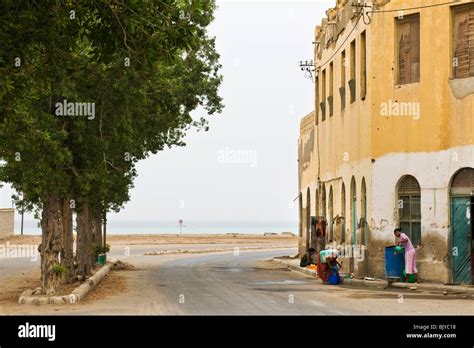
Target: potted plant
(100, 252)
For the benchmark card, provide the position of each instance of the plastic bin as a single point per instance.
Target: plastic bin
(394, 263)
(102, 259)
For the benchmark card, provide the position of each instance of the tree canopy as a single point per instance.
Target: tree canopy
(140, 68)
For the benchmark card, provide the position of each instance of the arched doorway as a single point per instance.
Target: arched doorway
(343, 213)
(363, 197)
(353, 211)
(300, 212)
(331, 215)
(353, 206)
(409, 208)
(323, 201)
(461, 221)
(308, 218)
(316, 211)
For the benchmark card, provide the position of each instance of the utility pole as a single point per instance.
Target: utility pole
(105, 227)
(22, 217)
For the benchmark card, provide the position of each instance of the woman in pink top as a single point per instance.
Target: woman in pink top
(410, 252)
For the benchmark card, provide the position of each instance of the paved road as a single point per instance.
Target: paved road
(11, 266)
(227, 284)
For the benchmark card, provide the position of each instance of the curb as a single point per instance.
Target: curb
(383, 284)
(76, 295)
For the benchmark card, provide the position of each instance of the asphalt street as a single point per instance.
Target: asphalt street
(229, 284)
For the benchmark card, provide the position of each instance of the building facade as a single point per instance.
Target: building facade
(7, 222)
(391, 140)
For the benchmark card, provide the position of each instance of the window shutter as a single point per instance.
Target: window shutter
(464, 43)
(471, 42)
(409, 185)
(415, 50)
(409, 50)
(404, 48)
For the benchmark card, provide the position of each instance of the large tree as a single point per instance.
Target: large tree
(145, 65)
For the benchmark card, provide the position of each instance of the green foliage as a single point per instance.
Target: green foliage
(99, 249)
(59, 269)
(141, 109)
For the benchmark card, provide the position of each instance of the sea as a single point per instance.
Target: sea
(122, 227)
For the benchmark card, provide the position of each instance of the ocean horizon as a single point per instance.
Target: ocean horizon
(122, 227)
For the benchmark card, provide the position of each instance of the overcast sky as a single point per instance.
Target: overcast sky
(245, 168)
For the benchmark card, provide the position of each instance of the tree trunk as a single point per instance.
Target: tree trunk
(50, 247)
(67, 252)
(96, 229)
(84, 247)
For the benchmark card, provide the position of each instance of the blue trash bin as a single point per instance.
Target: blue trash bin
(394, 263)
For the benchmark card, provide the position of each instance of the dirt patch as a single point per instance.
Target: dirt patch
(199, 239)
(159, 239)
(11, 290)
(25, 239)
(114, 283)
(269, 265)
(124, 266)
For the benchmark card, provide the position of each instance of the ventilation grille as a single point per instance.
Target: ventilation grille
(409, 185)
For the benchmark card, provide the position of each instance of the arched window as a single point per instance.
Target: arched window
(323, 201)
(300, 210)
(317, 204)
(364, 212)
(353, 202)
(308, 217)
(343, 213)
(331, 215)
(463, 183)
(409, 208)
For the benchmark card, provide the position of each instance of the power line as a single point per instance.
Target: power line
(342, 44)
(414, 8)
(362, 13)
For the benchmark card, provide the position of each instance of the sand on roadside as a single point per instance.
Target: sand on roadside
(159, 239)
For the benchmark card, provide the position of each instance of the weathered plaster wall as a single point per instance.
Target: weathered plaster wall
(358, 141)
(434, 172)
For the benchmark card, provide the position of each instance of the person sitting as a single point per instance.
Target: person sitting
(308, 258)
(333, 269)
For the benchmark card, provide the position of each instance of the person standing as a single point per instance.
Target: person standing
(410, 252)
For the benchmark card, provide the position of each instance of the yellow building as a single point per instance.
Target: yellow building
(391, 140)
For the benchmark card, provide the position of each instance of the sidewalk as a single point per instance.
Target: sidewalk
(293, 264)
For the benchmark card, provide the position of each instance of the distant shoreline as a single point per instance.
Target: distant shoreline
(189, 227)
(170, 239)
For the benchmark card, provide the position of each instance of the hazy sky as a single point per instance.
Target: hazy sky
(245, 168)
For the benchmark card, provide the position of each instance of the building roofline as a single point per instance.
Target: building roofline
(335, 22)
(307, 123)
